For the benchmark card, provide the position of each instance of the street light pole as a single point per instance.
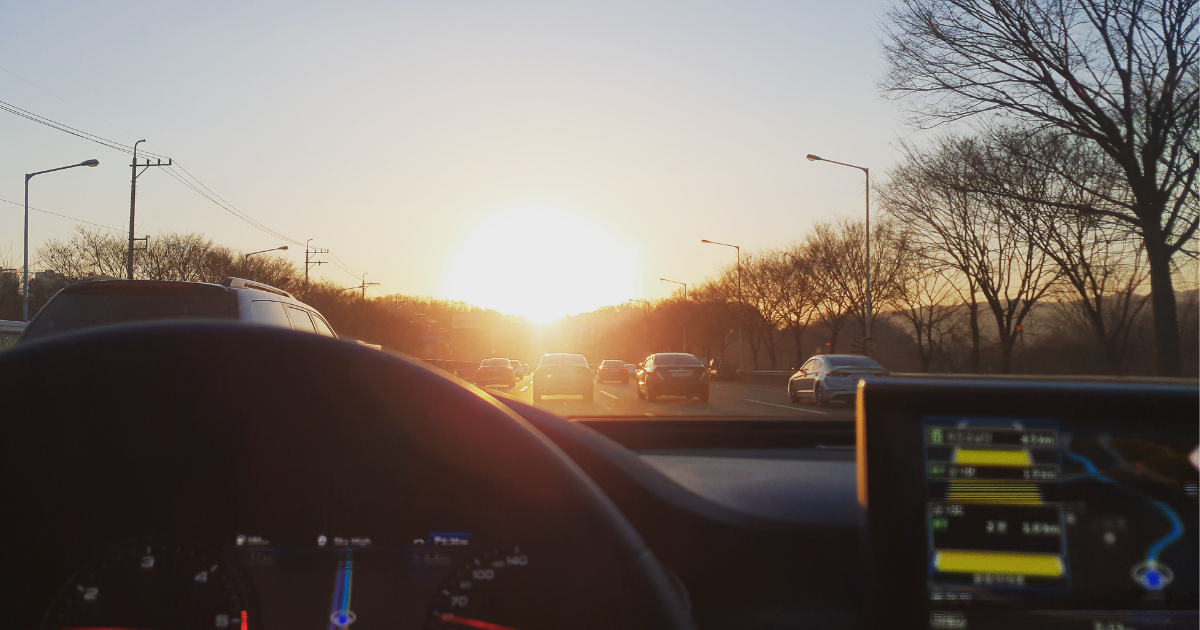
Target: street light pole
(866, 171)
(684, 299)
(741, 359)
(25, 252)
(273, 249)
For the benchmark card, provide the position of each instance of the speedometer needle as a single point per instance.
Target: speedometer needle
(454, 621)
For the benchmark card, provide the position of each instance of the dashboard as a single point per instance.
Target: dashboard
(207, 476)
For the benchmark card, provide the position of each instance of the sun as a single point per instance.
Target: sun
(540, 264)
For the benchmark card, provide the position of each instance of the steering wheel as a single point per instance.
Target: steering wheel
(203, 432)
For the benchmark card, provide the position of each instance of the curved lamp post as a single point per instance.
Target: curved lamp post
(866, 171)
(25, 255)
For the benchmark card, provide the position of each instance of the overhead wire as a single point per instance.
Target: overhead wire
(183, 175)
(63, 216)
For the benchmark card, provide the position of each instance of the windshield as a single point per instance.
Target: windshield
(89, 308)
(563, 359)
(676, 359)
(859, 362)
(738, 188)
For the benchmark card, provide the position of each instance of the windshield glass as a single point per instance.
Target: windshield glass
(70, 311)
(844, 361)
(676, 359)
(739, 188)
(563, 359)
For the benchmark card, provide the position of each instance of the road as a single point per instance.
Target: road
(726, 399)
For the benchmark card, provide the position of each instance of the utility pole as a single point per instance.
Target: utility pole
(366, 284)
(133, 202)
(309, 251)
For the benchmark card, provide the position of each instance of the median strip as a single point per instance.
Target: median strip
(824, 413)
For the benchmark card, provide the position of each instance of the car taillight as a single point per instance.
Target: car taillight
(704, 375)
(660, 376)
(837, 373)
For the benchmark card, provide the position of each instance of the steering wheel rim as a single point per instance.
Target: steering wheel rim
(125, 375)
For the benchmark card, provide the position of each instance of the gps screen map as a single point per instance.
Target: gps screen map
(1030, 506)
(1067, 519)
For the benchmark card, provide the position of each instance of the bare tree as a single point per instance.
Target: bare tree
(926, 302)
(1120, 74)
(968, 232)
(836, 254)
(801, 296)
(764, 293)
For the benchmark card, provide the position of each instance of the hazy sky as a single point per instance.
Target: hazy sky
(436, 145)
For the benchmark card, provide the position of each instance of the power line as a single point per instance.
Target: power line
(28, 82)
(185, 177)
(63, 216)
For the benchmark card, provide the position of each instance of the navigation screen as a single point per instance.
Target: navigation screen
(1041, 523)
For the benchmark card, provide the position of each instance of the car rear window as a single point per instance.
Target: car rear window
(100, 306)
(563, 359)
(862, 362)
(676, 359)
(612, 364)
(496, 363)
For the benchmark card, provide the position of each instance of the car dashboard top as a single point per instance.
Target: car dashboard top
(417, 503)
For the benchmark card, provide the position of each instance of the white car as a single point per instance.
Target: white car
(828, 377)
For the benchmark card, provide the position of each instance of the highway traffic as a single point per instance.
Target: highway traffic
(727, 399)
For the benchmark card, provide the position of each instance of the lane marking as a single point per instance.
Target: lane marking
(607, 394)
(525, 388)
(823, 413)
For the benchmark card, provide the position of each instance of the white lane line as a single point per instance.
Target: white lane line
(525, 388)
(607, 394)
(824, 413)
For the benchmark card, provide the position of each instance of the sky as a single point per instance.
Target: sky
(533, 157)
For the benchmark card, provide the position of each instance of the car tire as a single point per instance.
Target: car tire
(792, 396)
(703, 397)
(819, 395)
(512, 384)
(641, 396)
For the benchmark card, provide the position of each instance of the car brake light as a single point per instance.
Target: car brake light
(837, 373)
(660, 376)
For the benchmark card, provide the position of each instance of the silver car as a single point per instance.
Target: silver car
(829, 377)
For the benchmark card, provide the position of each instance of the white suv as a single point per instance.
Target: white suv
(106, 302)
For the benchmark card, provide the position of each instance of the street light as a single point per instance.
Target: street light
(867, 172)
(25, 267)
(274, 249)
(741, 361)
(684, 299)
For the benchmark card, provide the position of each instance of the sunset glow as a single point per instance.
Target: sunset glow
(540, 264)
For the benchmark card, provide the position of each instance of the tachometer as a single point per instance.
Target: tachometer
(152, 583)
(494, 590)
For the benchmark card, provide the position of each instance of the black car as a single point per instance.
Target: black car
(722, 369)
(612, 370)
(673, 374)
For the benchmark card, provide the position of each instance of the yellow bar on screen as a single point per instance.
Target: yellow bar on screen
(1035, 564)
(991, 457)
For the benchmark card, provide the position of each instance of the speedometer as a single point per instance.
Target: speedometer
(152, 583)
(494, 590)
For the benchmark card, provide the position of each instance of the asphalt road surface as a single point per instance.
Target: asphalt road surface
(726, 399)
